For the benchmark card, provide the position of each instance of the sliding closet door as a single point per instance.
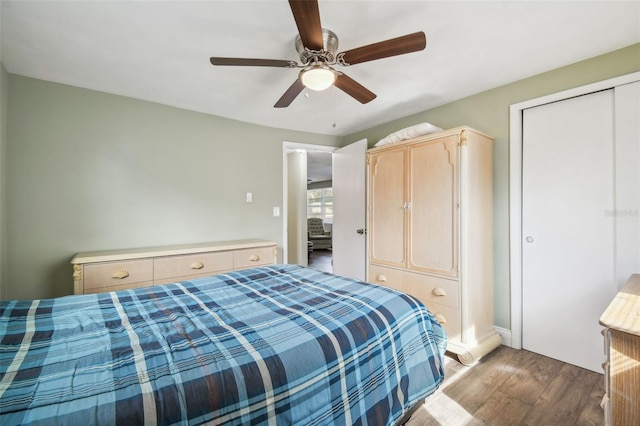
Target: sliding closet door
(568, 234)
(627, 200)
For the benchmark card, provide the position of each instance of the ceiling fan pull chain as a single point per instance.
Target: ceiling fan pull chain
(334, 108)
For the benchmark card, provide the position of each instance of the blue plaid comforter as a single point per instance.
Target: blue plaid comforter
(272, 345)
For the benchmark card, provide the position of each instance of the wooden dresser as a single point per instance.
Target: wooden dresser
(621, 401)
(100, 271)
(430, 226)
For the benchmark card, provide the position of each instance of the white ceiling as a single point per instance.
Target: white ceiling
(319, 166)
(159, 51)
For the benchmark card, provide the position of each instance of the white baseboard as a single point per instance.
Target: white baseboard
(505, 335)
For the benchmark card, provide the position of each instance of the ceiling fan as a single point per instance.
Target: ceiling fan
(317, 48)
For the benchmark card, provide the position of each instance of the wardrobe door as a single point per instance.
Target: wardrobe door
(568, 237)
(433, 210)
(387, 205)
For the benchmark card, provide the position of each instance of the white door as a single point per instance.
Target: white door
(568, 237)
(627, 209)
(349, 204)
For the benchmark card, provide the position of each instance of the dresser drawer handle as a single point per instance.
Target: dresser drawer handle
(441, 319)
(439, 292)
(254, 258)
(197, 265)
(382, 278)
(120, 274)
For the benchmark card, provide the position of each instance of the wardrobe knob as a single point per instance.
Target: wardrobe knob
(381, 278)
(441, 319)
(439, 292)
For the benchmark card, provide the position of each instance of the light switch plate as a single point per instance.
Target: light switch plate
(249, 197)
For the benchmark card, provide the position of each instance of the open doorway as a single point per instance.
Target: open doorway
(347, 227)
(320, 210)
(306, 165)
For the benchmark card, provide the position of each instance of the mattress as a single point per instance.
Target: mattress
(279, 344)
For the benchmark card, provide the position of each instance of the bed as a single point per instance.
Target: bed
(278, 344)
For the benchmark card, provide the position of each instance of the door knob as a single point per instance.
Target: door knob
(361, 231)
(529, 239)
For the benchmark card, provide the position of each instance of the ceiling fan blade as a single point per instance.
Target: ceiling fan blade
(384, 49)
(307, 16)
(354, 89)
(291, 93)
(247, 62)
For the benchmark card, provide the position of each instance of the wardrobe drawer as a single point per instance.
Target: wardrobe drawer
(424, 287)
(185, 266)
(99, 277)
(388, 277)
(249, 258)
(448, 317)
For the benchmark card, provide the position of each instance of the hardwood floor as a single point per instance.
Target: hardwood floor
(321, 259)
(514, 387)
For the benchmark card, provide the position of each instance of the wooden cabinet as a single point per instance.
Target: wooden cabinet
(430, 224)
(113, 270)
(414, 193)
(621, 401)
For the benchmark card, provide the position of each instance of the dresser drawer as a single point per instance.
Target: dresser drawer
(249, 258)
(119, 287)
(184, 266)
(424, 287)
(110, 276)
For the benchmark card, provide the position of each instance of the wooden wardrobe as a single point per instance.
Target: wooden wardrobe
(430, 225)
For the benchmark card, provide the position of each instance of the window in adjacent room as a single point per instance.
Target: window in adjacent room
(320, 204)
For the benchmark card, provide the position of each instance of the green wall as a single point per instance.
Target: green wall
(90, 171)
(489, 113)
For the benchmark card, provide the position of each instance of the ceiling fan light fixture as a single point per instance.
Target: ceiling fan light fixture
(318, 77)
